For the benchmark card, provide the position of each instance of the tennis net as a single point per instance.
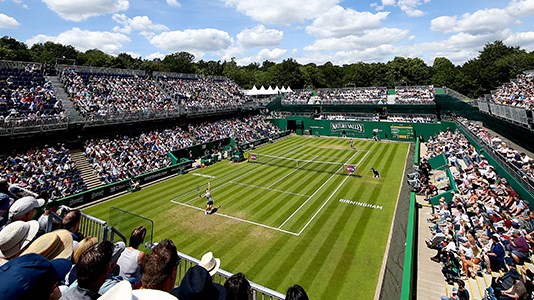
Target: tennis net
(303, 164)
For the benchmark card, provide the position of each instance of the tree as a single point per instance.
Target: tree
(11, 49)
(444, 72)
(50, 51)
(180, 62)
(95, 58)
(126, 61)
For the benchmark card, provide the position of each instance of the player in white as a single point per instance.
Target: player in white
(209, 203)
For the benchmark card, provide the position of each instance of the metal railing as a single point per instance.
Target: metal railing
(258, 292)
(89, 226)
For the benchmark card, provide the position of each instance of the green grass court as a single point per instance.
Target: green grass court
(283, 223)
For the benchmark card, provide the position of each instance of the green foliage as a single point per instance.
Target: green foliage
(496, 64)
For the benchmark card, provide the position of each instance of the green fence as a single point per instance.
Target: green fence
(410, 254)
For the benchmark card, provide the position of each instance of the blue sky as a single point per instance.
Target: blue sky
(256, 30)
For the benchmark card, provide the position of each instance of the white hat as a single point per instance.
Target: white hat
(24, 205)
(123, 291)
(16, 236)
(210, 263)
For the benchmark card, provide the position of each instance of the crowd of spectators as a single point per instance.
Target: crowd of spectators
(26, 97)
(204, 93)
(344, 96)
(124, 157)
(48, 171)
(485, 228)
(54, 260)
(520, 162)
(102, 95)
(415, 95)
(411, 118)
(518, 93)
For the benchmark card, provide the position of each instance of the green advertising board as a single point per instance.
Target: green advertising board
(402, 132)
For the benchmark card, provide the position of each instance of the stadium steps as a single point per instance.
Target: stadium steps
(430, 280)
(70, 110)
(86, 171)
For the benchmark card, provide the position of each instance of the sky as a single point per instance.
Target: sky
(317, 31)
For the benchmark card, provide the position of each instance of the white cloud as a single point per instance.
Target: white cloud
(80, 10)
(8, 22)
(143, 24)
(275, 54)
(480, 22)
(174, 3)
(409, 7)
(83, 40)
(369, 39)
(282, 11)
(339, 22)
(259, 36)
(521, 8)
(525, 39)
(155, 55)
(195, 41)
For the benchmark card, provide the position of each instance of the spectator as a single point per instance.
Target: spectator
(32, 277)
(24, 208)
(296, 292)
(83, 245)
(43, 220)
(15, 238)
(92, 269)
(238, 288)
(160, 267)
(71, 222)
(198, 284)
(5, 202)
(210, 263)
(132, 259)
(52, 245)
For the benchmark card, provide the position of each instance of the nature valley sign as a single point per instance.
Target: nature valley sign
(337, 126)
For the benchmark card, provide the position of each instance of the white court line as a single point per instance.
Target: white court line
(330, 197)
(316, 191)
(306, 162)
(269, 189)
(238, 219)
(228, 182)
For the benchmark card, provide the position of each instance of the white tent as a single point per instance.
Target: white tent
(262, 91)
(283, 89)
(277, 89)
(270, 91)
(289, 90)
(252, 92)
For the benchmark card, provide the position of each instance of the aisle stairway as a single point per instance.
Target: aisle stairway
(86, 171)
(70, 110)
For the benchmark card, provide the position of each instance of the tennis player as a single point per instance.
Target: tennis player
(209, 203)
(351, 144)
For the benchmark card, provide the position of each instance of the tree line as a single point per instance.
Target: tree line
(496, 64)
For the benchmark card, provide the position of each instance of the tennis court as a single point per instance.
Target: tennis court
(292, 215)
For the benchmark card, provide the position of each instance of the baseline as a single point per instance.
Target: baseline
(238, 219)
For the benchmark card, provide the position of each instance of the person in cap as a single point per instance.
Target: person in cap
(92, 270)
(160, 267)
(24, 208)
(296, 292)
(210, 263)
(16, 237)
(197, 284)
(51, 207)
(237, 287)
(55, 244)
(32, 277)
(85, 244)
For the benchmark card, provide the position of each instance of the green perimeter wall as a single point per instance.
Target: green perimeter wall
(360, 129)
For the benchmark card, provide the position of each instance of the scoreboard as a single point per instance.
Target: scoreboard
(402, 132)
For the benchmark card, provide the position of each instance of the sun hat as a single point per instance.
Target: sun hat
(16, 236)
(123, 291)
(52, 245)
(197, 284)
(5, 201)
(210, 263)
(24, 205)
(31, 277)
(118, 248)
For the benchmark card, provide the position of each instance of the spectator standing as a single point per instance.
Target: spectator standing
(160, 267)
(131, 259)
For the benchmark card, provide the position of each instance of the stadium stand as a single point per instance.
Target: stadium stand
(485, 229)
(48, 171)
(26, 98)
(518, 93)
(345, 96)
(414, 95)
